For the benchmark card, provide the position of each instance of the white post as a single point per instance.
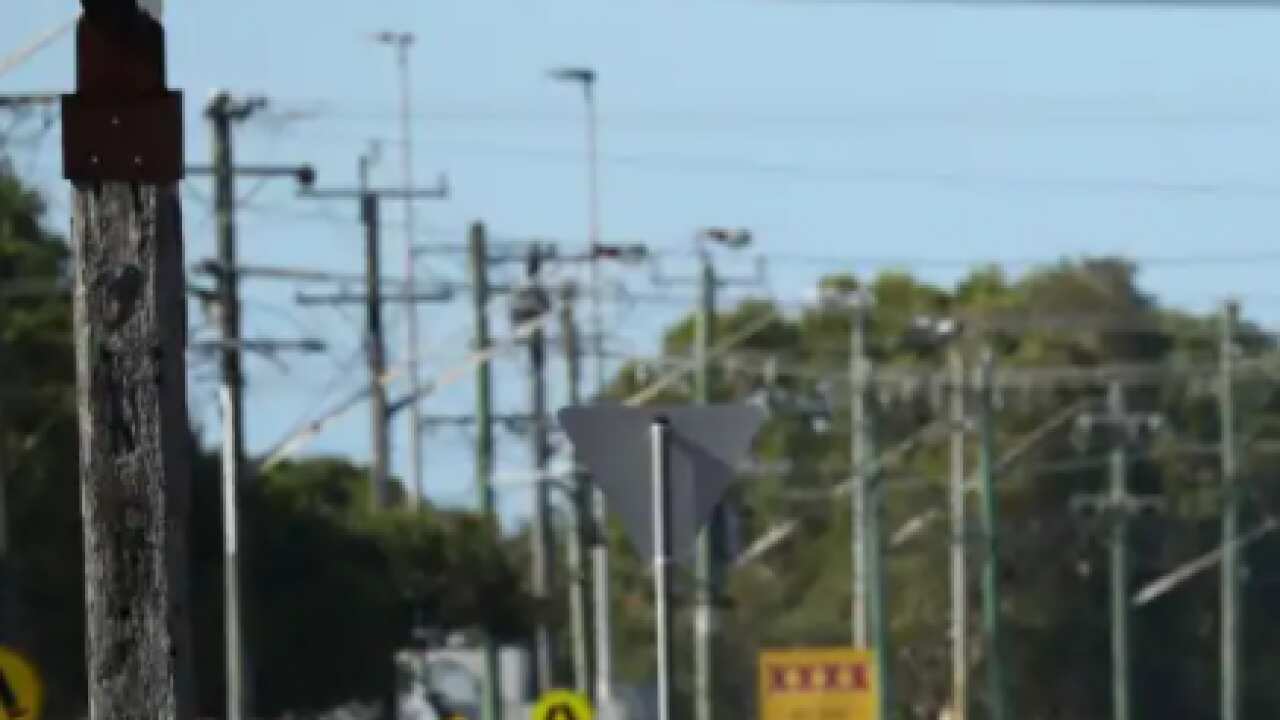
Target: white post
(660, 436)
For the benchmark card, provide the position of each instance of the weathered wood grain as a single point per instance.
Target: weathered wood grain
(130, 334)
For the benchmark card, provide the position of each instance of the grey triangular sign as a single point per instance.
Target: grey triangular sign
(708, 442)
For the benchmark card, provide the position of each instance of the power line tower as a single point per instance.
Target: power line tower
(375, 343)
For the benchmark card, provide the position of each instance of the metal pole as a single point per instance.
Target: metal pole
(580, 597)
(593, 224)
(1118, 506)
(959, 544)
(859, 453)
(230, 396)
(492, 706)
(542, 542)
(600, 553)
(600, 601)
(705, 582)
(991, 564)
(374, 342)
(403, 43)
(660, 434)
(874, 566)
(1231, 601)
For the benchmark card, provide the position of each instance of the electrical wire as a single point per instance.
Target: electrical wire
(41, 42)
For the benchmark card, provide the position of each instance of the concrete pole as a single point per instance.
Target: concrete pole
(580, 595)
(660, 434)
(959, 543)
(860, 454)
(1118, 505)
(231, 396)
(1231, 498)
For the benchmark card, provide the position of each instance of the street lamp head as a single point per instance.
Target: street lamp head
(834, 296)
(730, 238)
(388, 37)
(219, 99)
(583, 75)
(936, 329)
(306, 177)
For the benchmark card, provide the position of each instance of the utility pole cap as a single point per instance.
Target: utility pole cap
(122, 123)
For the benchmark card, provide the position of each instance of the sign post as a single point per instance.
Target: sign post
(663, 471)
(660, 432)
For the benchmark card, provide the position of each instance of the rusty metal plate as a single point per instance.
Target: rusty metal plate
(138, 140)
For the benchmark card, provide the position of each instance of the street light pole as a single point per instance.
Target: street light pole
(708, 544)
(587, 78)
(603, 656)
(1231, 495)
(402, 42)
(859, 376)
(959, 543)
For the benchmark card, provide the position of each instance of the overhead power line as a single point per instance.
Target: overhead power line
(35, 46)
(946, 180)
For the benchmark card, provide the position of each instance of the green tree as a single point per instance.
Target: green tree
(1053, 560)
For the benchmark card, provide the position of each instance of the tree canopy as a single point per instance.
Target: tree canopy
(1075, 315)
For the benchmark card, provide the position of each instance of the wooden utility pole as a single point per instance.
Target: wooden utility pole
(370, 200)
(122, 150)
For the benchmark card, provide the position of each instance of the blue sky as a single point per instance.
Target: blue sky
(846, 136)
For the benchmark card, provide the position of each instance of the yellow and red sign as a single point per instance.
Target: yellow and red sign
(818, 684)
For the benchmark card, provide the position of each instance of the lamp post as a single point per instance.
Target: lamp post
(402, 42)
(603, 634)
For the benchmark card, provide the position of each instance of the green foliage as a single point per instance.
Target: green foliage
(1053, 561)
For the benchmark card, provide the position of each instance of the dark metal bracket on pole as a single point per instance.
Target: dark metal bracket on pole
(123, 123)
